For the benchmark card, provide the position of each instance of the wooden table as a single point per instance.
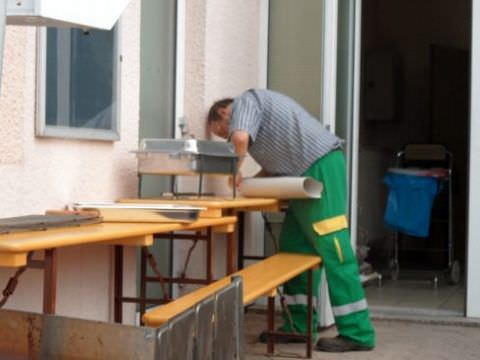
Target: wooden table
(15, 247)
(218, 207)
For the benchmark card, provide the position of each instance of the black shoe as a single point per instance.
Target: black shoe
(339, 344)
(280, 339)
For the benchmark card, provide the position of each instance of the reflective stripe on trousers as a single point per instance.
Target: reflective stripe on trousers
(351, 308)
(341, 310)
(298, 299)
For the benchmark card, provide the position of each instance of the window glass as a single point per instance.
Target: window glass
(81, 94)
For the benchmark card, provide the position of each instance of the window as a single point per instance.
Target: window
(78, 84)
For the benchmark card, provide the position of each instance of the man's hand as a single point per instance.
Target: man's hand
(238, 179)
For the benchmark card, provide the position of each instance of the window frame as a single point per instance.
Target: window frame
(50, 131)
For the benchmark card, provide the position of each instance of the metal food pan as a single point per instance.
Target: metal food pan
(132, 212)
(185, 157)
(166, 164)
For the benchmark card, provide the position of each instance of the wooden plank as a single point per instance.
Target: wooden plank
(265, 276)
(97, 233)
(260, 279)
(224, 229)
(265, 208)
(144, 240)
(210, 213)
(13, 259)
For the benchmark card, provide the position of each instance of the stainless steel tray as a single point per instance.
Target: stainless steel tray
(44, 222)
(185, 157)
(132, 212)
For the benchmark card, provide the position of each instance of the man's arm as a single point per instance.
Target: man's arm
(240, 140)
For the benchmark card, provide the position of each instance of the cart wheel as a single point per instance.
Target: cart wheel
(395, 269)
(454, 273)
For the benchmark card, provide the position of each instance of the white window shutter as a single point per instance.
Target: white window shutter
(98, 14)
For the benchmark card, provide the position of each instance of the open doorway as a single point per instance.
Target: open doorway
(414, 90)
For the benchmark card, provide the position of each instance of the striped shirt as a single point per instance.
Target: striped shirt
(284, 138)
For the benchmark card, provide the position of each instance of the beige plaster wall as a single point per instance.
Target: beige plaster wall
(222, 60)
(40, 173)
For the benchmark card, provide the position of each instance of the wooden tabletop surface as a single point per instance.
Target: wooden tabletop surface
(15, 246)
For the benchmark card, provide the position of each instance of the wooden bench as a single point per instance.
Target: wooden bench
(260, 279)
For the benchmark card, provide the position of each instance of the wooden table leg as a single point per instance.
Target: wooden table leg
(271, 325)
(50, 281)
(118, 281)
(210, 255)
(241, 238)
(143, 282)
(231, 266)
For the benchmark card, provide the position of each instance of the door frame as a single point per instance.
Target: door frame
(329, 64)
(352, 158)
(473, 226)
(179, 113)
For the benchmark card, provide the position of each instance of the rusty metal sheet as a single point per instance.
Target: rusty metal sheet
(237, 283)
(226, 323)
(205, 317)
(212, 329)
(182, 336)
(163, 341)
(38, 336)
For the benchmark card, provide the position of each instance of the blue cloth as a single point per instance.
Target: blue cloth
(409, 203)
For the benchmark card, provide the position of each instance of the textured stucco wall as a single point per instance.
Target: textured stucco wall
(41, 173)
(232, 53)
(222, 53)
(221, 59)
(232, 47)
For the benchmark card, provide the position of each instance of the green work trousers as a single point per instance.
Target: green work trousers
(319, 226)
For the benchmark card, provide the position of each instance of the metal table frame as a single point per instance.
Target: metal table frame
(142, 299)
(225, 207)
(215, 207)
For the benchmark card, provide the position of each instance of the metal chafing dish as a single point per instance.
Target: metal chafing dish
(186, 157)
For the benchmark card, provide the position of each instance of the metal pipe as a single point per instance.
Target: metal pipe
(50, 281)
(3, 23)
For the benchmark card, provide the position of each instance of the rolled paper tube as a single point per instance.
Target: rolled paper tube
(281, 187)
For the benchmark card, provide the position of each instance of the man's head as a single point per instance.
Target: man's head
(218, 119)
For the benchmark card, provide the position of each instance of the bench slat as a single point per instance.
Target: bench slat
(272, 272)
(258, 280)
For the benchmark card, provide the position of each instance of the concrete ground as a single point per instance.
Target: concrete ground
(396, 339)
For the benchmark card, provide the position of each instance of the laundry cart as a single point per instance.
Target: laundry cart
(419, 194)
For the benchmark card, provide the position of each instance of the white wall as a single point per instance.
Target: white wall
(222, 55)
(39, 173)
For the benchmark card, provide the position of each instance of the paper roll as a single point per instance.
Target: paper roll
(281, 187)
